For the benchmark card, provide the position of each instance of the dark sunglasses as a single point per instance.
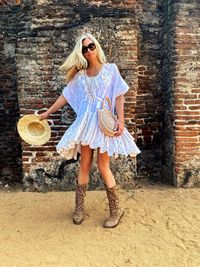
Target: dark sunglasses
(91, 46)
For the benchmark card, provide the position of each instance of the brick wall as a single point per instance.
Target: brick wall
(187, 93)
(10, 146)
(180, 85)
(157, 55)
(167, 68)
(148, 110)
(43, 44)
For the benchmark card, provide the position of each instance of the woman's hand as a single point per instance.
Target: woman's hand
(44, 115)
(119, 127)
(120, 114)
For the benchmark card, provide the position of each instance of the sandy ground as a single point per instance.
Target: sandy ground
(161, 227)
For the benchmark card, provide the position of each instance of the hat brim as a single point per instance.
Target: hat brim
(39, 137)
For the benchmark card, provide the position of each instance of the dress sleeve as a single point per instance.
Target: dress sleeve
(71, 94)
(120, 87)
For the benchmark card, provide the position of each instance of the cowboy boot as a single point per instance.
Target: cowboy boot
(80, 193)
(116, 212)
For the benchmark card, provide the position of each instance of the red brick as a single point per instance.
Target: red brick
(187, 118)
(194, 107)
(192, 102)
(180, 144)
(186, 133)
(186, 112)
(185, 139)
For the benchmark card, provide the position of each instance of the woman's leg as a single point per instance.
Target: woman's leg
(116, 212)
(82, 183)
(85, 164)
(103, 162)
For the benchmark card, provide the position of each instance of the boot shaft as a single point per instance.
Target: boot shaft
(80, 193)
(113, 200)
(116, 212)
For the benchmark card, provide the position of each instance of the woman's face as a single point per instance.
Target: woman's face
(89, 49)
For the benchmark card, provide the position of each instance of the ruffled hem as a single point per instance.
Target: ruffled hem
(85, 131)
(72, 152)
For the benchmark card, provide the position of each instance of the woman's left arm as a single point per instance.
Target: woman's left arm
(120, 114)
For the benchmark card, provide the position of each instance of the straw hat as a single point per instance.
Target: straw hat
(33, 130)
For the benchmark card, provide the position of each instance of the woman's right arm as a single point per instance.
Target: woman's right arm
(59, 103)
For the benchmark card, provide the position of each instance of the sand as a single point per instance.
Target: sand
(161, 227)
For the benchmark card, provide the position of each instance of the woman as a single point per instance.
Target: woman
(89, 79)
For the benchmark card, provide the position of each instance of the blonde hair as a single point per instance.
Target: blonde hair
(76, 61)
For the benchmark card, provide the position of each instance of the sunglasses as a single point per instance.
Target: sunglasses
(91, 46)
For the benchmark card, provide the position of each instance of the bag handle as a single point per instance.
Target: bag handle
(109, 102)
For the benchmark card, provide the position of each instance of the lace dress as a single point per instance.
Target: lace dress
(85, 95)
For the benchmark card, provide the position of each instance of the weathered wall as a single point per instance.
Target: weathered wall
(181, 93)
(180, 85)
(167, 68)
(148, 108)
(46, 36)
(10, 145)
(153, 48)
(187, 93)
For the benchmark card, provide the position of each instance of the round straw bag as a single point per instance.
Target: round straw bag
(107, 120)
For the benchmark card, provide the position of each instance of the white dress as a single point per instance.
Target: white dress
(85, 95)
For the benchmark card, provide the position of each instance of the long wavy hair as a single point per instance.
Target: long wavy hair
(76, 61)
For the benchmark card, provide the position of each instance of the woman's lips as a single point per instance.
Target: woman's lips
(89, 54)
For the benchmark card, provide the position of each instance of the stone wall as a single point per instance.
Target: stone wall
(46, 36)
(10, 143)
(149, 106)
(153, 48)
(167, 67)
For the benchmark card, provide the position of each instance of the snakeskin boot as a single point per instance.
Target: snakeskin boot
(80, 193)
(116, 212)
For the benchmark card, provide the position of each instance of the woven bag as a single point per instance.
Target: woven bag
(107, 120)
